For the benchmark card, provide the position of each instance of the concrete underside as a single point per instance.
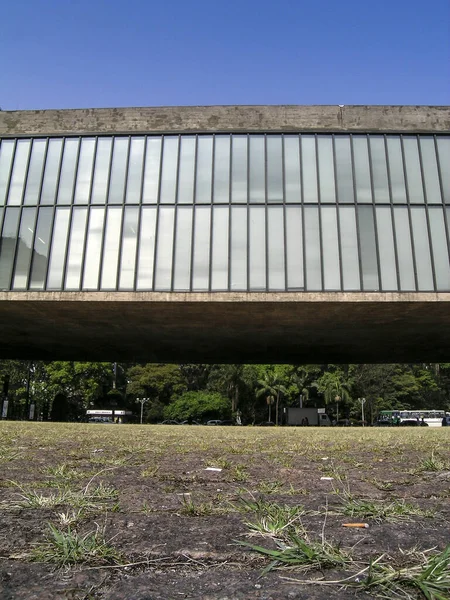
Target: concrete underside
(226, 327)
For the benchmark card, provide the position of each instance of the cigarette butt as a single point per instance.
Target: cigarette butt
(360, 525)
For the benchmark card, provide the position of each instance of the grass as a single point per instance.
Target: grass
(434, 463)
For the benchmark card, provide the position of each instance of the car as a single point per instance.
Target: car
(214, 422)
(267, 424)
(190, 422)
(169, 422)
(413, 423)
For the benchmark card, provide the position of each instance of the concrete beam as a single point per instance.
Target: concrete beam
(203, 119)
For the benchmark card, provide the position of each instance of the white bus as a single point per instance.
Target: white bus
(108, 416)
(432, 418)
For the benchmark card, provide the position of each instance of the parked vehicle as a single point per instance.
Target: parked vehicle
(308, 416)
(214, 422)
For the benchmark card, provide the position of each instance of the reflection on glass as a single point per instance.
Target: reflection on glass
(135, 166)
(75, 250)
(294, 248)
(35, 169)
(222, 168)
(24, 245)
(443, 146)
(93, 248)
(41, 249)
(183, 246)
(58, 249)
(220, 262)
(277, 278)
(396, 171)
(8, 246)
(118, 171)
(379, 168)
(362, 169)
(404, 249)
(430, 170)
(169, 170)
(84, 171)
(239, 168)
(349, 248)
(326, 169)
(19, 172)
(386, 249)
(6, 155)
(422, 249)
(309, 168)
(238, 248)
(292, 168)
(68, 167)
(51, 173)
(129, 243)
(111, 249)
(440, 249)
(201, 248)
(203, 184)
(274, 169)
(312, 249)
(164, 249)
(332, 278)
(344, 169)
(257, 171)
(413, 175)
(146, 249)
(368, 249)
(186, 170)
(101, 170)
(257, 248)
(152, 169)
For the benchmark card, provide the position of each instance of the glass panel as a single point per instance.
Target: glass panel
(326, 169)
(430, 170)
(239, 248)
(344, 169)
(35, 170)
(368, 248)
(68, 167)
(24, 246)
(75, 251)
(135, 165)
(440, 249)
(51, 174)
(274, 169)
(203, 190)
(222, 168)
(239, 168)
(93, 248)
(379, 168)
(152, 169)
(164, 250)
(169, 170)
(111, 248)
(187, 166)
(41, 249)
(257, 248)
(332, 277)
(220, 263)
(294, 238)
(404, 249)
(118, 171)
(312, 249)
(19, 172)
(8, 246)
(309, 168)
(146, 249)
(6, 154)
(257, 174)
(422, 249)
(349, 248)
(183, 246)
(84, 172)
(58, 249)
(129, 243)
(443, 145)
(276, 243)
(396, 171)
(386, 248)
(413, 174)
(201, 248)
(292, 168)
(101, 170)
(362, 169)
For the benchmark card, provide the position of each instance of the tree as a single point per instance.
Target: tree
(199, 405)
(335, 385)
(271, 386)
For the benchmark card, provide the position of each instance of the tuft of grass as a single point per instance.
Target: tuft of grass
(239, 473)
(150, 471)
(195, 509)
(272, 518)
(434, 463)
(270, 487)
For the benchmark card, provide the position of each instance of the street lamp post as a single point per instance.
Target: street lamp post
(142, 401)
(338, 399)
(362, 400)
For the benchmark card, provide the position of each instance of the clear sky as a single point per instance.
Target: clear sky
(111, 53)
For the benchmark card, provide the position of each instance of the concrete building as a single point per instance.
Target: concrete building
(226, 234)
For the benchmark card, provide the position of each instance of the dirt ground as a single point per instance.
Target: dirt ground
(173, 504)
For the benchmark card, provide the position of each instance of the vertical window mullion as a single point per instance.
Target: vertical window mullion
(211, 235)
(158, 209)
(338, 216)
(88, 216)
(411, 232)
(72, 203)
(175, 216)
(283, 184)
(391, 204)
(193, 225)
(358, 234)
(427, 216)
(139, 220)
(319, 197)
(377, 242)
(302, 200)
(105, 215)
(441, 185)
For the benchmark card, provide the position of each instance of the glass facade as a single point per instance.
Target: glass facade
(216, 212)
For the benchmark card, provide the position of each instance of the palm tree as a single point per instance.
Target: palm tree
(270, 387)
(335, 386)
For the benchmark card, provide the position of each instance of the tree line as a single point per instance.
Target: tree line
(63, 391)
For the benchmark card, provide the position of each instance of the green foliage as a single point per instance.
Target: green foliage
(199, 406)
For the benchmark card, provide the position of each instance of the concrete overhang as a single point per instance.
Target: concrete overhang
(226, 327)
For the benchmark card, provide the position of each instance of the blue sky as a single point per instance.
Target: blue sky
(110, 53)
